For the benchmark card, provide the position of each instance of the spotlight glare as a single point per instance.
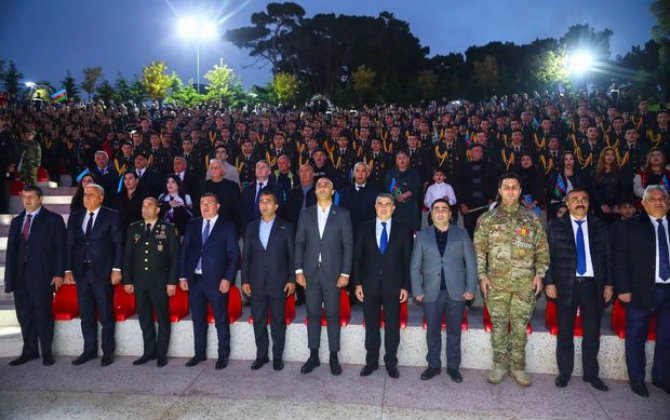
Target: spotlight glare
(580, 62)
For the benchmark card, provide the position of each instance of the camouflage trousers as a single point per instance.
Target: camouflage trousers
(29, 174)
(510, 312)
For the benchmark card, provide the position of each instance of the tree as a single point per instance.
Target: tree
(184, 95)
(553, 68)
(91, 77)
(285, 87)
(70, 86)
(363, 79)
(426, 82)
(11, 78)
(105, 91)
(661, 34)
(486, 74)
(222, 84)
(584, 37)
(155, 80)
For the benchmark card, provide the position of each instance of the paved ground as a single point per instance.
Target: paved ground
(123, 391)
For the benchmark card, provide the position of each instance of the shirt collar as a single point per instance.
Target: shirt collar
(35, 213)
(263, 222)
(212, 221)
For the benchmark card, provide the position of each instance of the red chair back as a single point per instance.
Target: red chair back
(42, 175)
(65, 305)
(234, 306)
(178, 305)
(123, 303)
(345, 311)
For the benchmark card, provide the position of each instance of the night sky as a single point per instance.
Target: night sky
(47, 37)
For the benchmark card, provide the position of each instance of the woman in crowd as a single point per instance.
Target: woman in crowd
(77, 202)
(531, 183)
(653, 173)
(176, 206)
(607, 186)
(566, 178)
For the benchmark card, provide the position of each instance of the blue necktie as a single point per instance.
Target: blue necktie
(663, 257)
(384, 240)
(581, 248)
(205, 235)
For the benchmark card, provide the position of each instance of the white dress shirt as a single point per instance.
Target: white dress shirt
(32, 219)
(587, 246)
(87, 216)
(664, 220)
(264, 230)
(379, 229)
(322, 218)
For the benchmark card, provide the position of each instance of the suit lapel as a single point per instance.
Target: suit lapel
(567, 222)
(273, 232)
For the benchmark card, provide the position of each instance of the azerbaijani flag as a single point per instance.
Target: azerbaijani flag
(59, 96)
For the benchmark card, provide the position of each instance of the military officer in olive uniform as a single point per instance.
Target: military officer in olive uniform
(150, 271)
(512, 259)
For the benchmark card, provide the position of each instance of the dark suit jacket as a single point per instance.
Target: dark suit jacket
(220, 254)
(268, 270)
(152, 182)
(293, 207)
(336, 246)
(387, 273)
(563, 257)
(361, 203)
(249, 207)
(190, 183)
(109, 182)
(105, 245)
(44, 251)
(228, 193)
(634, 260)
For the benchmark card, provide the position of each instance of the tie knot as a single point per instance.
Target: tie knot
(30, 216)
(659, 221)
(91, 214)
(579, 222)
(148, 226)
(384, 225)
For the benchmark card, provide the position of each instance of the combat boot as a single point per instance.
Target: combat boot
(496, 375)
(522, 378)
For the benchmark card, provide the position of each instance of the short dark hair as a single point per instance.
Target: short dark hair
(577, 190)
(269, 193)
(133, 173)
(209, 194)
(34, 188)
(440, 200)
(509, 175)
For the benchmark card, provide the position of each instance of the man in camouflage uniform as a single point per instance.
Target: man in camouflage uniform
(512, 258)
(31, 157)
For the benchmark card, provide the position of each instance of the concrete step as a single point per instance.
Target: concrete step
(8, 317)
(3, 244)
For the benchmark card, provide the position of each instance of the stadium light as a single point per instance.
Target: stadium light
(198, 29)
(580, 62)
(30, 85)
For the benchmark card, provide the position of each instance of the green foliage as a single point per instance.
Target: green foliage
(70, 86)
(553, 68)
(486, 74)
(223, 84)
(91, 77)
(155, 80)
(105, 91)
(184, 95)
(363, 79)
(661, 33)
(426, 82)
(11, 79)
(285, 88)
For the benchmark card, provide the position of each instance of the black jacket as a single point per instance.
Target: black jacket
(563, 257)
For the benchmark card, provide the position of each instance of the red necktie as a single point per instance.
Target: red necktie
(26, 227)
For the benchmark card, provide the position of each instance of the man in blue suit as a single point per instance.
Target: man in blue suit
(267, 277)
(35, 261)
(207, 267)
(93, 259)
(252, 192)
(444, 277)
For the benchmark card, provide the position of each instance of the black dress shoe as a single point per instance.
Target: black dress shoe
(455, 375)
(145, 358)
(392, 371)
(106, 360)
(162, 361)
(640, 389)
(84, 358)
(596, 382)
(48, 360)
(335, 368)
(259, 363)
(429, 373)
(311, 364)
(664, 386)
(561, 381)
(368, 369)
(278, 364)
(22, 359)
(194, 361)
(221, 363)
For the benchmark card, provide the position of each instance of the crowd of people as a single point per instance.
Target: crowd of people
(164, 194)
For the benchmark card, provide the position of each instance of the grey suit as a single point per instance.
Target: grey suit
(460, 273)
(336, 251)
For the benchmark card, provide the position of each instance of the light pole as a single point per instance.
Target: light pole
(198, 29)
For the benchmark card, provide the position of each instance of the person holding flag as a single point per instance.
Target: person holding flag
(562, 181)
(404, 184)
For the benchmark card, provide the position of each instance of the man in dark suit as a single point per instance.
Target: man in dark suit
(150, 271)
(382, 252)
(302, 196)
(360, 198)
(641, 266)
(267, 277)
(579, 276)
(150, 181)
(207, 267)
(444, 277)
(188, 179)
(252, 192)
(323, 253)
(105, 176)
(35, 260)
(227, 195)
(94, 255)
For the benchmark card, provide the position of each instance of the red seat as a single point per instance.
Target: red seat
(551, 320)
(65, 305)
(123, 303)
(16, 186)
(345, 310)
(465, 324)
(234, 306)
(42, 175)
(177, 306)
(289, 311)
(403, 316)
(488, 325)
(618, 319)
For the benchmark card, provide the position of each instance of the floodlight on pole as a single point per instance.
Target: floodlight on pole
(580, 62)
(198, 29)
(30, 85)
